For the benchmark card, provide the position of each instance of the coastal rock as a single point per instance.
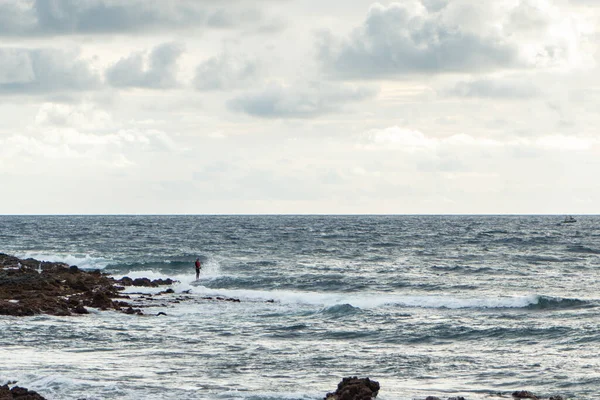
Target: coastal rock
(144, 282)
(18, 393)
(354, 388)
(523, 394)
(29, 287)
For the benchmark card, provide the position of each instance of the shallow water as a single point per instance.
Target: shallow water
(426, 305)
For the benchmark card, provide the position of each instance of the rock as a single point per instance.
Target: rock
(558, 397)
(161, 313)
(18, 393)
(126, 281)
(80, 309)
(432, 398)
(523, 394)
(101, 300)
(29, 287)
(353, 388)
(143, 282)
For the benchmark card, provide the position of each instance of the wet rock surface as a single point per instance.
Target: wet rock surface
(354, 388)
(30, 287)
(6, 393)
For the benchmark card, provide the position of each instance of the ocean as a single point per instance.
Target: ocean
(471, 306)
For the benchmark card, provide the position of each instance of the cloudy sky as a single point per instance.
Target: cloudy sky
(299, 106)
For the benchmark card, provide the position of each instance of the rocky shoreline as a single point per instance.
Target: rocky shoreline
(29, 287)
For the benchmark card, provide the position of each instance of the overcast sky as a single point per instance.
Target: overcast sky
(299, 107)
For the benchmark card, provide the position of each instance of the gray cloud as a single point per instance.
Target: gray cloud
(160, 72)
(397, 40)
(277, 101)
(225, 72)
(33, 71)
(495, 88)
(63, 17)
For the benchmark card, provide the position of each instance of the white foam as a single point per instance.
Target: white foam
(84, 261)
(369, 301)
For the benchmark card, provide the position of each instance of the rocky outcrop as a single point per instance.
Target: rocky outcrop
(144, 282)
(29, 287)
(18, 393)
(353, 388)
(523, 394)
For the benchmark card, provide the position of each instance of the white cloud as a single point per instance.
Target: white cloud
(302, 101)
(495, 88)
(158, 71)
(226, 71)
(397, 138)
(35, 71)
(83, 117)
(69, 17)
(462, 36)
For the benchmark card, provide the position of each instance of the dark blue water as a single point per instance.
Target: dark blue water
(426, 305)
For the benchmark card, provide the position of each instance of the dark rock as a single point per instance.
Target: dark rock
(353, 388)
(101, 300)
(163, 282)
(523, 394)
(5, 393)
(80, 309)
(558, 397)
(18, 393)
(29, 287)
(143, 282)
(161, 313)
(126, 281)
(432, 398)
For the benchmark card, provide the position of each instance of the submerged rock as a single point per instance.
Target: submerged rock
(353, 388)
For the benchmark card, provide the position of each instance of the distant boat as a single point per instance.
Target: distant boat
(569, 220)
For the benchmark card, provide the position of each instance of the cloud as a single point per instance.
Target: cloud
(83, 117)
(225, 72)
(458, 36)
(400, 39)
(495, 88)
(64, 17)
(312, 100)
(33, 71)
(396, 138)
(157, 72)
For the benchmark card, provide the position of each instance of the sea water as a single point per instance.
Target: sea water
(425, 305)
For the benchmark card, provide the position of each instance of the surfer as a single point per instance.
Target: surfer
(198, 267)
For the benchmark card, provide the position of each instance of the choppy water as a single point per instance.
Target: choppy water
(426, 305)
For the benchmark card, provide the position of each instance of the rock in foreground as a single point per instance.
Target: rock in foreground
(353, 388)
(18, 393)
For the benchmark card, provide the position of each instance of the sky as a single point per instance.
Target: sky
(299, 107)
